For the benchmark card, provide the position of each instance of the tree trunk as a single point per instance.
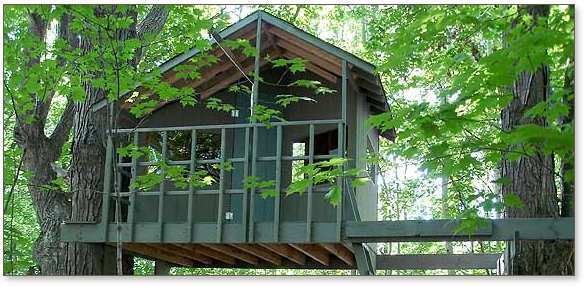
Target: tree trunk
(88, 151)
(532, 177)
(83, 204)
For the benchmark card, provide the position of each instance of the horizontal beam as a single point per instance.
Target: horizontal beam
(445, 230)
(437, 261)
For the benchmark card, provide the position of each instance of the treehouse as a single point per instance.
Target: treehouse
(209, 184)
(227, 220)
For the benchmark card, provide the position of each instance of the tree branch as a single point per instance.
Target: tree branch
(61, 132)
(151, 25)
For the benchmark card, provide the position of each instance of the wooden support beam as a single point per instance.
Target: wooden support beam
(161, 268)
(313, 68)
(287, 252)
(226, 81)
(438, 261)
(318, 61)
(157, 253)
(302, 45)
(444, 230)
(340, 251)
(234, 252)
(209, 253)
(314, 251)
(260, 252)
(188, 254)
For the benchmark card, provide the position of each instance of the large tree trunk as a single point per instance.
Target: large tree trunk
(88, 152)
(532, 177)
(83, 204)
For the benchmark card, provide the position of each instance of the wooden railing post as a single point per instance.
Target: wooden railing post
(245, 194)
(309, 222)
(220, 213)
(192, 166)
(161, 197)
(134, 173)
(278, 163)
(108, 169)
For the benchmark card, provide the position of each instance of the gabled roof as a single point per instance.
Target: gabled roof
(279, 38)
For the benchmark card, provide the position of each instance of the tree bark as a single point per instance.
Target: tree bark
(532, 177)
(83, 203)
(88, 151)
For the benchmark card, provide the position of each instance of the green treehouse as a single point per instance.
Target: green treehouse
(258, 129)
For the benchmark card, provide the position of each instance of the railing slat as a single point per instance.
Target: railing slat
(339, 210)
(134, 173)
(278, 163)
(105, 219)
(192, 167)
(221, 187)
(245, 195)
(310, 191)
(161, 197)
(252, 225)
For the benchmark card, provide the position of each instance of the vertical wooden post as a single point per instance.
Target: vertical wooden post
(161, 268)
(278, 163)
(253, 102)
(339, 210)
(105, 220)
(221, 188)
(251, 226)
(344, 91)
(256, 64)
(161, 195)
(245, 193)
(192, 166)
(310, 191)
(134, 173)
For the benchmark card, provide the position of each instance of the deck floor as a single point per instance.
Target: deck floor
(247, 255)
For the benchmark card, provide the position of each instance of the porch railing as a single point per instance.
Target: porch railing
(249, 160)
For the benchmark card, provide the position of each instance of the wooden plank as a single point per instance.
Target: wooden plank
(192, 166)
(444, 230)
(188, 254)
(211, 253)
(233, 252)
(312, 67)
(161, 197)
(157, 253)
(316, 43)
(299, 44)
(315, 59)
(340, 251)
(227, 80)
(252, 225)
(314, 251)
(105, 219)
(310, 191)
(132, 199)
(438, 261)
(245, 196)
(260, 253)
(287, 252)
(339, 208)
(278, 162)
(220, 213)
